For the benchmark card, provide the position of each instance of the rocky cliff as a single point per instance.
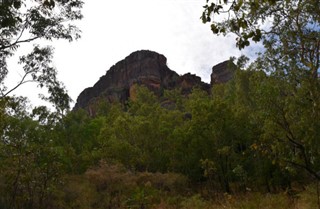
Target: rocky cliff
(150, 69)
(222, 72)
(143, 67)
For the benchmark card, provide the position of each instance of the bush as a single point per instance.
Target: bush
(77, 192)
(169, 182)
(194, 202)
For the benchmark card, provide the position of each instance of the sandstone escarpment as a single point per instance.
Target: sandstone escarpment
(143, 67)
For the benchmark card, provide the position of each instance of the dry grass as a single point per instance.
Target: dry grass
(304, 200)
(113, 186)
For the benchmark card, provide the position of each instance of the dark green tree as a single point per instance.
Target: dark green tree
(288, 95)
(24, 21)
(78, 135)
(289, 29)
(31, 163)
(289, 111)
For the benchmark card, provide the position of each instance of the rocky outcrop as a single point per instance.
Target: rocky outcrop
(143, 67)
(150, 69)
(222, 72)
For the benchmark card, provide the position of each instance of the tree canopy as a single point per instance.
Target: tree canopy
(258, 133)
(25, 21)
(290, 30)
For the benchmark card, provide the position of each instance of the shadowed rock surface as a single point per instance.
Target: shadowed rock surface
(222, 72)
(143, 67)
(146, 68)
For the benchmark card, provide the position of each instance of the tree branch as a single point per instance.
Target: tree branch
(308, 169)
(22, 81)
(18, 42)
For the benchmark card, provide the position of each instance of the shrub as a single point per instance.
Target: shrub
(194, 202)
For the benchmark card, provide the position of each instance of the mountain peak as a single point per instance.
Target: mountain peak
(142, 67)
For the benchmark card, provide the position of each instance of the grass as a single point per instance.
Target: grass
(306, 199)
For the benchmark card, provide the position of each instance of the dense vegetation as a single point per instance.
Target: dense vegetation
(252, 143)
(236, 141)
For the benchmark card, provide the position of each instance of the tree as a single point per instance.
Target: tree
(25, 21)
(31, 163)
(290, 121)
(78, 138)
(289, 29)
(210, 138)
(287, 100)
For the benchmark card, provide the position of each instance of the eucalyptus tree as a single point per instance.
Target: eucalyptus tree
(287, 100)
(31, 162)
(31, 21)
(290, 30)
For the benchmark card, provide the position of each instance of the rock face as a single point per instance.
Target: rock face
(222, 72)
(143, 67)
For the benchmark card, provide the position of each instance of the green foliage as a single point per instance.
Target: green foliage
(31, 164)
(289, 111)
(224, 135)
(24, 21)
(146, 139)
(245, 17)
(79, 134)
(252, 133)
(147, 155)
(258, 132)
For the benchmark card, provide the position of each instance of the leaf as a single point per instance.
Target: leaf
(17, 4)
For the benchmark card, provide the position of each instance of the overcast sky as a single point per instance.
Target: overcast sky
(112, 29)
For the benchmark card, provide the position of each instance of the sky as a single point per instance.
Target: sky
(113, 29)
